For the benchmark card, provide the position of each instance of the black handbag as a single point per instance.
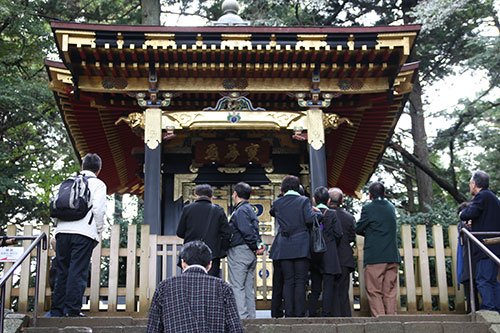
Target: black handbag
(318, 244)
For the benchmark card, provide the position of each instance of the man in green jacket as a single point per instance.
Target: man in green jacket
(381, 255)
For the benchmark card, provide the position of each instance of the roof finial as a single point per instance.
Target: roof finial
(230, 17)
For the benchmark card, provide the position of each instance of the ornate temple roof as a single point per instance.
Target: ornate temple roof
(364, 69)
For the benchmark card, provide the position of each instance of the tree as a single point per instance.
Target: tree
(35, 153)
(150, 10)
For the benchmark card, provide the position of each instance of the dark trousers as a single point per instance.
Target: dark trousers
(277, 300)
(328, 295)
(342, 305)
(316, 287)
(215, 269)
(73, 254)
(488, 285)
(294, 286)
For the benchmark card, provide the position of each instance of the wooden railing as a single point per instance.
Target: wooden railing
(428, 279)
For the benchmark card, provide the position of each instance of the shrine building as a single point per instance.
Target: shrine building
(171, 107)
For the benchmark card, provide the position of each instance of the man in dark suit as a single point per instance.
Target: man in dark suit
(202, 220)
(293, 214)
(194, 301)
(342, 305)
(484, 211)
(381, 253)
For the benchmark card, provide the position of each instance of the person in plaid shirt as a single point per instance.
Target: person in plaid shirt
(194, 301)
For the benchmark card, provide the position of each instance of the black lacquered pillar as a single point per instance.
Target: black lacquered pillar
(316, 141)
(152, 170)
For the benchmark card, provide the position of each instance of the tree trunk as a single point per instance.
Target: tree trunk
(408, 181)
(459, 197)
(150, 12)
(118, 213)
(420, 149)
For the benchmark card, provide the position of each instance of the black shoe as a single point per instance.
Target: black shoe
(76, 315)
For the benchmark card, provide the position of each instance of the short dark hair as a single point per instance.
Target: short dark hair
(243, 190)
(204, 190)
(336, 195)
(92, 162)
(196, 253)
(290, 183)
(377, 190)
(321, 195)
(481, 179)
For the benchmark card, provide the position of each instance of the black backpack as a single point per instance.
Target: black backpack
(72, 202)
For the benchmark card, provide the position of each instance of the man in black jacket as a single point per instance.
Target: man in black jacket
(245, 245)
(484, 211)
(202, 220)
(342, 306)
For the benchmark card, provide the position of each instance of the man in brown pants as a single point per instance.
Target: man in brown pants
(381, 254)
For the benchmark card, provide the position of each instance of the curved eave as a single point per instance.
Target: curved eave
(353, 153)
(92, 129)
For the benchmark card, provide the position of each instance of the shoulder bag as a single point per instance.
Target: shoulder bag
(318, 244)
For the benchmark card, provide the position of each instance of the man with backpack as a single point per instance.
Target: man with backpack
(78, 211)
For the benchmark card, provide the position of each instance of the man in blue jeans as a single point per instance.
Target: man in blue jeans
(484, 211)
(75, 241)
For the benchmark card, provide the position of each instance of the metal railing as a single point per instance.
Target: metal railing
(471, 236)
(38, 240)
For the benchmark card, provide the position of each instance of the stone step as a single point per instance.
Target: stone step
(483, 322)
(369, 327)
(90, 321)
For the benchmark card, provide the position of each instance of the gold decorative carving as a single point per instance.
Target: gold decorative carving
(304, 169)
(402, 83)
(392, 40)
(199, 40)
(236, 41)
(272, 42)
(252, 151)
(160, 40)
(135, 120)
(172, 84)
(152, 133)
(332, 120)
(232, 153)
(350, 43)
(315, 129)
(249, 120)
(193, 169)
(311, 41)
(212, 153)
(269, 169)
(179, 180)
(231, 170)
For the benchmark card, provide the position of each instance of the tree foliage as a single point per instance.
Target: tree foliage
(35, 153)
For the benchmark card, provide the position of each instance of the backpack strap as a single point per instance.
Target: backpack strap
(91, 213)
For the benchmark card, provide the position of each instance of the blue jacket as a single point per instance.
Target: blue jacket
(484, 211)
(245, 226)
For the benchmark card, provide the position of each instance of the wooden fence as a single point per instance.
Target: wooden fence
(124, 279)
